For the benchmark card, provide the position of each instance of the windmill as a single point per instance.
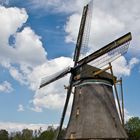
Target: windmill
(94, 114)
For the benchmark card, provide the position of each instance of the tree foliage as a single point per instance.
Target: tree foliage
(132, 127)
(27, 134)
(49, 134)
(3, 135)
(16, 136)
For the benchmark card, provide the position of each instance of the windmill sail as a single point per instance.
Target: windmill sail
(49, 79)
(117, 47)
(110, 56)
(84, 31)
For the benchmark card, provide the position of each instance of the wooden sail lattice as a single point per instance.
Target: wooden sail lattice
(110, 56)
(86, 34)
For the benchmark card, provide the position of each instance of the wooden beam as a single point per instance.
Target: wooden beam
(111, 46)
(80, 35)
(116, 92)
(101, 71)
(122, 97)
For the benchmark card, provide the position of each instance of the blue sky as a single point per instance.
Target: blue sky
(37, 39)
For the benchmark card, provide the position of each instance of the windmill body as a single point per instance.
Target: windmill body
(94, 114)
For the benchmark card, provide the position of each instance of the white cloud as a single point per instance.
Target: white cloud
(24, 65)
(21, 59)
(50, 101)
(10, 24)
(127, 115)
(27, 45)
(13, 126)
(53, 95)
(20, 108)
(122, 67)
(35, 108)
(133, 61)
(61, 6)
(72, 27)
(5, 87)
(25, 48)
(129, 16)
(110, 21)
(99, 29)
(17, 75)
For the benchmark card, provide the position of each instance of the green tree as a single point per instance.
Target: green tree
(3, 135)
(132, 127)
(37, 133)
(49, 134)
(16, 136)
(27, 134)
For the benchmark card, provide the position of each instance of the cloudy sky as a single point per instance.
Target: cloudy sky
(37, 39)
